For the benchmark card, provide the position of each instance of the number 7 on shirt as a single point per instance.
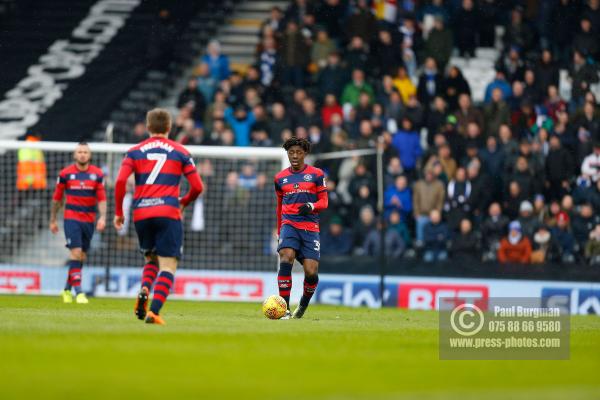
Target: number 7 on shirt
(160, 159)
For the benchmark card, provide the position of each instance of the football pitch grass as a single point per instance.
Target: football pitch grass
(50, 350)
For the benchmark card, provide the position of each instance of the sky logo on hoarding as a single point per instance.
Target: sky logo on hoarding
(122, 284)
(574, 301)
(354, 294)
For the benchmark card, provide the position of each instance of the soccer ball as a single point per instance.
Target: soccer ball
(274, 307)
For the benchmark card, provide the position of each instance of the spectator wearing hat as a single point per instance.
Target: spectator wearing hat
(408, 144)
(471, 153)
(516, 247)
(563, 238)
(539, 207)
(527, 219)
(583, 223)
(435, 237)
(448, 134)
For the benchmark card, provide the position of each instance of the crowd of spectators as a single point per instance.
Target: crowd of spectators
(514, 179)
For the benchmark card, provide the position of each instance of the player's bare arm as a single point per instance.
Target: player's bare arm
(54, 209)
(101, 223)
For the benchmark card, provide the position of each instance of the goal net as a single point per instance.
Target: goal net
(230, 227)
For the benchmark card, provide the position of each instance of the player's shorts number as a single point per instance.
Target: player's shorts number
(160, 159)
(317, 245)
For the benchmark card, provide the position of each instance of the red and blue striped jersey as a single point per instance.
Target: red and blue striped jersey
(158, 165)
(295, 188)
(84, 189)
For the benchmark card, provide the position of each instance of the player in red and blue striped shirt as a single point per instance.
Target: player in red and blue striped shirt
(158, 164)
(301, 194)
(83, 185)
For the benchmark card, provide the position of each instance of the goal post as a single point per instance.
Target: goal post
(230, 227)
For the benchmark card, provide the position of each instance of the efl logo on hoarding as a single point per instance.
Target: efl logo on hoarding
(420, 296)
(219, 288)
(573, 301)
(19, 282)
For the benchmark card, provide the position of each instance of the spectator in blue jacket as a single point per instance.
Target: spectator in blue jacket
(207, 84)
(436, 238)
(501, 83)
(337, 240)
(241, 122)
(218, 63)
(398, 197)
(408, 144)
